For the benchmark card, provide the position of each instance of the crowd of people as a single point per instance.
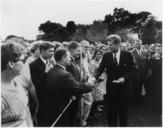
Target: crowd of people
(65, 84)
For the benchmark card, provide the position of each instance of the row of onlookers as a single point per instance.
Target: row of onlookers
(21, 68)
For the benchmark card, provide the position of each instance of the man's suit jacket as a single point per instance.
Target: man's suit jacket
(60, 86)
(125, 68)
(141, 63)
(38, 75)
(72, 68)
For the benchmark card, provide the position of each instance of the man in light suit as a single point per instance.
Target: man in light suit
(119, 68)
(140, 60)
(60, 86)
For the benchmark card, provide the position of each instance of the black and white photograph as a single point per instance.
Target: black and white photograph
(81, 63)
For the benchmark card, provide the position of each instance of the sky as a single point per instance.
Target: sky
(23, 17)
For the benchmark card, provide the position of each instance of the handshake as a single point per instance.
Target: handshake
(92, 80)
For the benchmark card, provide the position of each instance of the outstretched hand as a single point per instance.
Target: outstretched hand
(121, 80)
(92, 81)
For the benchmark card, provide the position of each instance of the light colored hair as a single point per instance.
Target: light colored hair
(10, 52)
(35, 45)
(84, 43)
(116, 39)
(138, 41)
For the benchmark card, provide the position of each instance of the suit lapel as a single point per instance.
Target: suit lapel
(41, 64)
(120, 58)
(110, 57)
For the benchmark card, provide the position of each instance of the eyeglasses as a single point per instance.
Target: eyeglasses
(22, 60)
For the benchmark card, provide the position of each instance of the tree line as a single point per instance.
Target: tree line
(121, 22)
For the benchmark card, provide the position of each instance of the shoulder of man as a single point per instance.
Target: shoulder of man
(133, 50)
(35, 62)
(126, 53)
(56, 72)
(106, 54)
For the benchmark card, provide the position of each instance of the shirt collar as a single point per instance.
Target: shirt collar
(43, 60)
(117, 53)
(61, 66)
(138, 51)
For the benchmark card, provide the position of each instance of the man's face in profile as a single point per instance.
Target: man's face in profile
(76, 52)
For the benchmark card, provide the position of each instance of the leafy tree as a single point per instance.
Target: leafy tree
(53, 31)
(97, 32)
(80, 33)
(109, 19)
(124, 34)
(149, 32)
(141, 20)
(158, 36)
(121, 22)
(71, 27)
(123, 19)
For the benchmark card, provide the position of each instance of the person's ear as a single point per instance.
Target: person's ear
(10, 64)
(71, 50)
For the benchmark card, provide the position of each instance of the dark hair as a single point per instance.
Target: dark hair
(73, 45)
(46, 45)
(95, 53)
(116, 39)
(78, 56)
(35, 45)
(60, 53)
(10, 52)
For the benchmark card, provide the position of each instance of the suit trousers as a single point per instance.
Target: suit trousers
(116, 105)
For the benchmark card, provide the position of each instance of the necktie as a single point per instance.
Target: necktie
(115, 59)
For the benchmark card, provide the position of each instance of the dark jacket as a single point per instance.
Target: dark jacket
(38, 76)
(72, 68)
(60, 86)
(125, 68)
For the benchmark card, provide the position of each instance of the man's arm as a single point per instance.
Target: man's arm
(131, 67)
(75, 86)
(101, 67)
(32, 93)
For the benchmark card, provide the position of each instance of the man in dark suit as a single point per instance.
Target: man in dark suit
(39, 69)
(60, 86)
(74, 49)
(119, 67)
